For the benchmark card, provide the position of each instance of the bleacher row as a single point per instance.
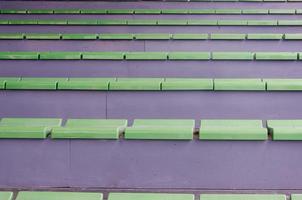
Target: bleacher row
(149, 84)
(38, 195)
(150, 129)
(150, 36)
(151, 22)
(144, 55)
(155, 11)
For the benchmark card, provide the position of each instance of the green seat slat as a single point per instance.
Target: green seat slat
(141, 22)
(282, 11)
(164, 122)
(23, 22)
(202, 22)
(188, 36)
(147, 11)
(285, 129)
(31, 122)
(66, 11)
(93, 11)
(33, 84)
(18, 55)
(187, 84)
(227, 36)
(6, 195)
(85, 84)
(40, 11)
(262, 22)
(292, 123)
(3, 81)
(82, 22)
(254, 11)
(202, 11)
(232, 56)
(228, 22)
(112, 22)
(276, 56)
(283, 84)
(27, 195)
(4, 21)
(11, 36)
(77, 36)
(119, 123)
(242, 197)
(42, 36)
(264, 36)
(146, 56)
(24, 132)
(299, 11)
(52, 22)
(228, 11)
(149, 196)
(250, 0)
(152, 36)
(12, 11)
(174, 11)
(239, 84)
(172, 22)
(136, 84)
(85, 133)
(56, 55)
(293, 36)
(103, 55)
(189, 56)
(290, 22)
(120, 11)
(116, 36)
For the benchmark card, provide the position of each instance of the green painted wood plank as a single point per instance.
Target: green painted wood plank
(149, 196)
(187, 84)
(242, 197)
(264, 36)
(31, 122)
(202, 22)
(290, 123)
(6, 195)
(202, 11)
(33, 84)
(282, 11)
(229, 22)
(120, 11)
(116, 36)
(262, 22)
(255, 11)
(23, 132)
(188, 36)
(28, 195)
(4, 21)
(85, 133)
(228, 11)
(227, 36)
(63, 55)
(85, 84)
(42, 36)
(112, 22)
(164, 122)
(189, 56)
(141, 22)
(283, 84)
(172, 22)
(239, 84)
(290, 22)
(152, 36)
(276, 56)
(174, 11)
(79, 36)
(247, 123)
(103, 55)
(147, 11)
(52, 22)
(119, 123)
(136, 84)
(93, 11)
(18, 55)
(3, 81)
(293, 36)
(287, 133)
(86, 22)
(12, 11)
(66, 11)
(146, 55)
(11, 36)
(232, 55)
(40, 11)
(23, 22)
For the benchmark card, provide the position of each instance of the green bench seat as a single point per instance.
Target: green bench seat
(85, 84)
(40, 11)
(290, 129)
(152, 36)
(239, 84)
(76, 36)
(33, 84)
(232, 56)
(146, 56)
(28, 195)
(189, 56)
(187, 84)
(42, 36)
(283, 84)
(136, 84)
(149, 196)
(276, 56)
(264, 36)
(63, 55)
(116, 36)
(103, 55)
(3, 81)
(227, 36)
(242, 197)
(188, 36)
(293, 36)
(11, 36)
(19, 55)
(6, 195)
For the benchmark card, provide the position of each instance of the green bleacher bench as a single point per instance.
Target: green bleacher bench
(42, 36)
(52, 22)
(40, 11)
(262, 22)
(276, 56)
(148, 196)
(172, 22)
(282, 11)
(33, 84)
(63, 55)
(93, 11)
(264, 36)
(283, 84)
(66, 11)
(152, 36)
(103, 55)
(90, 129)
(242, 197)
(296, 196)
(239, 84)
(232, 129)
(147, 11)
(23, 22)
(285, 129)
(228, 11)
(35, 128)
(289, 22)
(6, 195)
(136, 84)
(3, 81)
(232, 55)
(112, 22)
(141, 22)
(189, 56)
(120, 11)
(4, 22)
(77, 36)
(293, 36)
(201, 11)
(229, 22)
(163, 129)
(146, 56)
(174, 11)
(227, 36)
(187, 84)
(116, 36)
(82, 22)
(19, 55)
(188, 36)
(11, 36)
(202, 22)
(255, 11)
(12, 11)
(85, 84)
(29, 195)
